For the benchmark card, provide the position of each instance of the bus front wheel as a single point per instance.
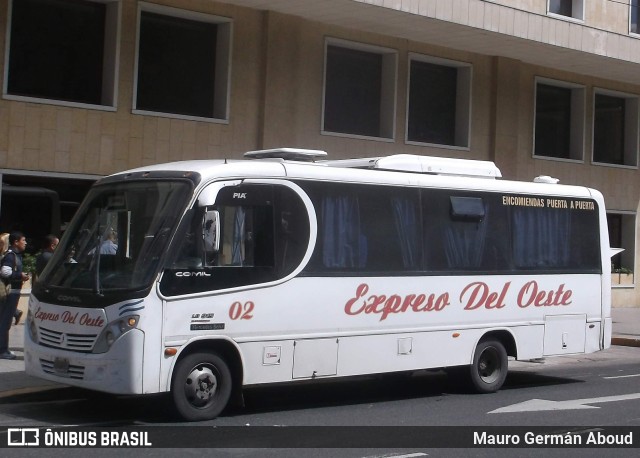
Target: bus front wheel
(489, 367)
(201, 386)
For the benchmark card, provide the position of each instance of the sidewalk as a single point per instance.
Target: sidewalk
(626, 332)
(13, 379)
(626, 326)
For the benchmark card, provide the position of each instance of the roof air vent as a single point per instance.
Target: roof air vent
(290, 154)
(424, 164)
(546, 179)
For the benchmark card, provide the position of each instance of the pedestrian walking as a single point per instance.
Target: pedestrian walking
(11, 272)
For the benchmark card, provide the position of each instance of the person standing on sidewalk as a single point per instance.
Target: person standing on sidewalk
(4, 246)
(11, 270)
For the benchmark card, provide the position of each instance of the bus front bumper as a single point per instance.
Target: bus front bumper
(119, 371)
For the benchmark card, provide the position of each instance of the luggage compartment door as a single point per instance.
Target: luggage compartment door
(315, 358)
(564, 334)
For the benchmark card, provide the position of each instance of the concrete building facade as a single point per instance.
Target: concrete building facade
(540, 87)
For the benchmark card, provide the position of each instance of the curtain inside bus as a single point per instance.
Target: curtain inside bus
(344, 244)
(465, 242)
(407, 227)
(541, 238)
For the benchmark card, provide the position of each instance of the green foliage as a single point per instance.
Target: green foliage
(620, 270)
(28, 263)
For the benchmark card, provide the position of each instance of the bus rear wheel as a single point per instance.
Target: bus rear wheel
(201, 386)
(489, 368)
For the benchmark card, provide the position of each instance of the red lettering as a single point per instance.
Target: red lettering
(361, 290)
(500, 304)
(563, 297)
(385, 306)
(408, 302)
(374, 302)
(67, 317)
(46, 316)
(481, 296)
(524, 290)
(86, 320)
(419, 300)
(392, 305)
(531, 295)
(474, 302)
(438, 303)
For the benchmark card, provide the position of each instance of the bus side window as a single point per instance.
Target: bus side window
(185, 254)
(246, 236)
(263, 236)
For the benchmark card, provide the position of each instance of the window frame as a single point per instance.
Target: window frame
(224, 46)
(389, 84)
(111, 62)
(634, 4)
(577, 120)
(631, 132)
(464, 100)
(576, 5)
(628, 230)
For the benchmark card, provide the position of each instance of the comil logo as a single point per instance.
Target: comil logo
(23, 437)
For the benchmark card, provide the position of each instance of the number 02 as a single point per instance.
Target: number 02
(241, 312)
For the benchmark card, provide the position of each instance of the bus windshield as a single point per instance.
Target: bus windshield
(118, 237)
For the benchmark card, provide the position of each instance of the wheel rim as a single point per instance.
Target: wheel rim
(489, 365)
(201, 385)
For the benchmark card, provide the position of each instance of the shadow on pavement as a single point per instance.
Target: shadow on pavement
(69, 405)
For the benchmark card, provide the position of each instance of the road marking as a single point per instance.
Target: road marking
(622, 376)
(538, 405)
(410, 455)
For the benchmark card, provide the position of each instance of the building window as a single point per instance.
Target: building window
(439, 102)
(634, 10)
(63, 50)
(567, 8)
(622, 229)
(559, 120)
(183, 63)
(615, 129)
(359, 90)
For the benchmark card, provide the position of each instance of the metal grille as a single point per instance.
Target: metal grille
(76, 342)
(74, 371)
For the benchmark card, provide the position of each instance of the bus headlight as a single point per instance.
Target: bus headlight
(113, 331)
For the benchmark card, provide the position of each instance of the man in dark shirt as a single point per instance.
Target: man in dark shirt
(11, 271)
(50, 244)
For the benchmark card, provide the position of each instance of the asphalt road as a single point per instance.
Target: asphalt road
(584, 393)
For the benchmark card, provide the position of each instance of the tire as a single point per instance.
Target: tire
(201, 386)
(489, 368)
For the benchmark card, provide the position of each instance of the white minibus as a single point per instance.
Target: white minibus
(200, 278)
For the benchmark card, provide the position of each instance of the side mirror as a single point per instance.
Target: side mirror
(211, 231)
